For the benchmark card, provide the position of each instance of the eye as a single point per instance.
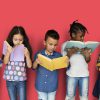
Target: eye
(15, 39)
(55, 44)
(50, 44)
(20, 39)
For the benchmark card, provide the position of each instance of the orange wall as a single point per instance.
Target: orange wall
(37, 16)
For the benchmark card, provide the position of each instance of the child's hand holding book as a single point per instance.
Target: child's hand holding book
(9, 48)
(86, 52)
(71, 51)
(36, 63)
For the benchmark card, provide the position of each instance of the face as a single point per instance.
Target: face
(17, 39)
(50, 45)
(79, 36)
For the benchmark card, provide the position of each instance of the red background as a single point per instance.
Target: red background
(37, 16)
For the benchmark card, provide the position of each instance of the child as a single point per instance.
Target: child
(96, 90)
(47, 81)
(77, 73)
(15, 71)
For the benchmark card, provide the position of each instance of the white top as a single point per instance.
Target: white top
(78, 65)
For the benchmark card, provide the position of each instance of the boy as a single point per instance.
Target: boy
(47, 81)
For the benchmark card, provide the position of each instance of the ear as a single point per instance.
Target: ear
(44, 42)
(73, 35)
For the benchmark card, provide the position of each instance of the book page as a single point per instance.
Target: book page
(53, 64)
(61, 62)
(45, 62)
(89, 44)
(17, 53)
(92, 45)
(77, 44)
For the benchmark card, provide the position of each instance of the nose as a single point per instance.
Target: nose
(53, 47)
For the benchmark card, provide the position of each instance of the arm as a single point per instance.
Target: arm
(28, 59)
(7, 55)
(87, 54)
(28, 62)
(35, 63)
(6, 58)
(88, 59)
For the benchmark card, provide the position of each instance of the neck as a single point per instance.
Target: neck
(49, 53)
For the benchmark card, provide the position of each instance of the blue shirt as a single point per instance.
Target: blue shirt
(47, 81)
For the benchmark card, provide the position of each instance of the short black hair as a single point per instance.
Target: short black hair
(53, 34)
(76, 27)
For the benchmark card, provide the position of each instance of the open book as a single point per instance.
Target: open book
(53, 64)
(89, 44)
(17, 53)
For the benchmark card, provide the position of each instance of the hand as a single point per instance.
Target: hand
(37, 61)
(72, 51)
(86, 52)
(9, 49)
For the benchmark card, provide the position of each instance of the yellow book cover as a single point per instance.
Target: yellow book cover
(53, 64)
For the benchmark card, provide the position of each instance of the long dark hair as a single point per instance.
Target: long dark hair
(19, 30)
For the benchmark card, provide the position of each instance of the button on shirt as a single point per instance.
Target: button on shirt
(46, 81)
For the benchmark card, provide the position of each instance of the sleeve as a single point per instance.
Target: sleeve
(63, 52)
(60, 55)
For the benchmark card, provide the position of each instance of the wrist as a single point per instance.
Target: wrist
(27, 57)
(8, 53)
